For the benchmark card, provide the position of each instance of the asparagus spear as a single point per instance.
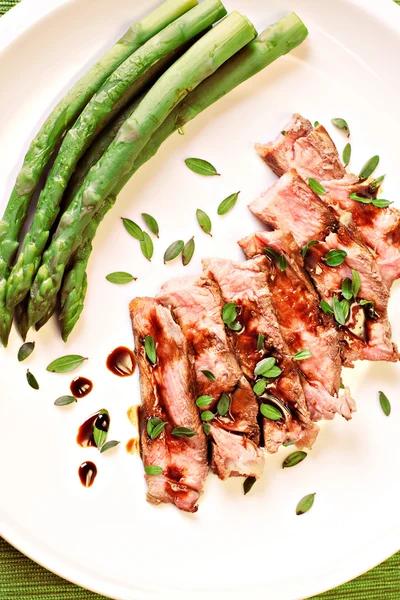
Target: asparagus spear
(75, 282)
(275, 41)
(61, 118)
(199, 62)
(117, 90)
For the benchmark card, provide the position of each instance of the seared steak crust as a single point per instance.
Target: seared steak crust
(167, 393)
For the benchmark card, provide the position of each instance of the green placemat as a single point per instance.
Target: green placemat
(21, 578)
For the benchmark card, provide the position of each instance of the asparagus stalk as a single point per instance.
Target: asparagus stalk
(75, 282)
(115, 92)
(51, 132)
(199, 62)
(275, 41)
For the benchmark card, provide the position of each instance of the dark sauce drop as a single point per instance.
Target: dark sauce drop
(85, 433)
(87, 473)
(80, 387)
(121, 362)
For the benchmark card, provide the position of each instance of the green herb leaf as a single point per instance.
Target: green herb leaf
(369, 167)
(376, 183)
(259, 387)
(65, 364)
(283, 132)
(326, 308)
(181, 131)
(235, 326)
(302, 355)
(204, 221)
(273, 372)
(183, 432)
(227, 204)
(206, 428)
(339, 310)
(120, 277)
(25, 350)
(188, 251)
(133, 229)
(294, 459)
(248, 484)
(385, 404)
(157, 430)
(208, 374)
(173, 250)
(342, 386)
(316, 123)
(369, 306)
(64, 400)
(151, 224)
(260, 342)
(109, 445)
(356, 282)
(291, 443)
(381, 203)
(264, 366)
(100, 433)
(207, 415)
(346, 154)
(201, 167)
(270, 412)
(342, 125)
(146, 246)
(316, 187)
(223, 404)
(203, 401)
(334, 258)
(305, 504)
(305, 248)
(153, 470)
(347, 288)
(229, 313)
(32, 380)
(361, 199)
(279, 258)
(150, 348)
(151, 423)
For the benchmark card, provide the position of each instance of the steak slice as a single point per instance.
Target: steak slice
(167, 394)
(291, 205)
(197, 305)
(304, 325)
(313, 154)
(245, 284)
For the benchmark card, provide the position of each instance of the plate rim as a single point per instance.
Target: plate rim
(13, 24)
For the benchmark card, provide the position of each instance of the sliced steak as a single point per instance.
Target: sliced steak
(303, 325)
(167, 394)
(313, 154)
(245, 284)
(197, 305)
(291, 205)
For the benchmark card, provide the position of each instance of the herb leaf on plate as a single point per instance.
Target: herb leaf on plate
(342, 125)
(65, 400)
(133, 228)
(223, 404)
(120, 277)
(294, 459)
(279, 258)
(305, 248)
(25, 350)
(146, 246)
(204, 221)
(385, 404)
(31, 379)
(203, 401)
(210, 376)
(381, 203)
(109, 445)
(201, 167)
(227, 204)
(305, 504)
(248, 484)
(302, 355)
(346, 154)
(100, 428)
(326, 308)
(151, 224)
(150, 348)
(188, 251)
(369, 167)
(270, 412)
(65, 364)
(334, 258)
(173, 250)
(153, 470)
(260, 342)
(183, 432)
(316, 187)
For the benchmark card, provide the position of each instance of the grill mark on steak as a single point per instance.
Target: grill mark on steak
(303, 325)
(291, 205)
(197, 305)
(246, 285)
(167, 393)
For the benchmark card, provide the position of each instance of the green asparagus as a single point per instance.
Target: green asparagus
(75, 281)
(51, 132)
(199, 62)
(275, 41)
(119, 88)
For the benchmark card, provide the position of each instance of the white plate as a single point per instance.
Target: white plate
(107, 538)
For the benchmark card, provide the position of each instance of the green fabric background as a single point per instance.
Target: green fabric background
(22, 579)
